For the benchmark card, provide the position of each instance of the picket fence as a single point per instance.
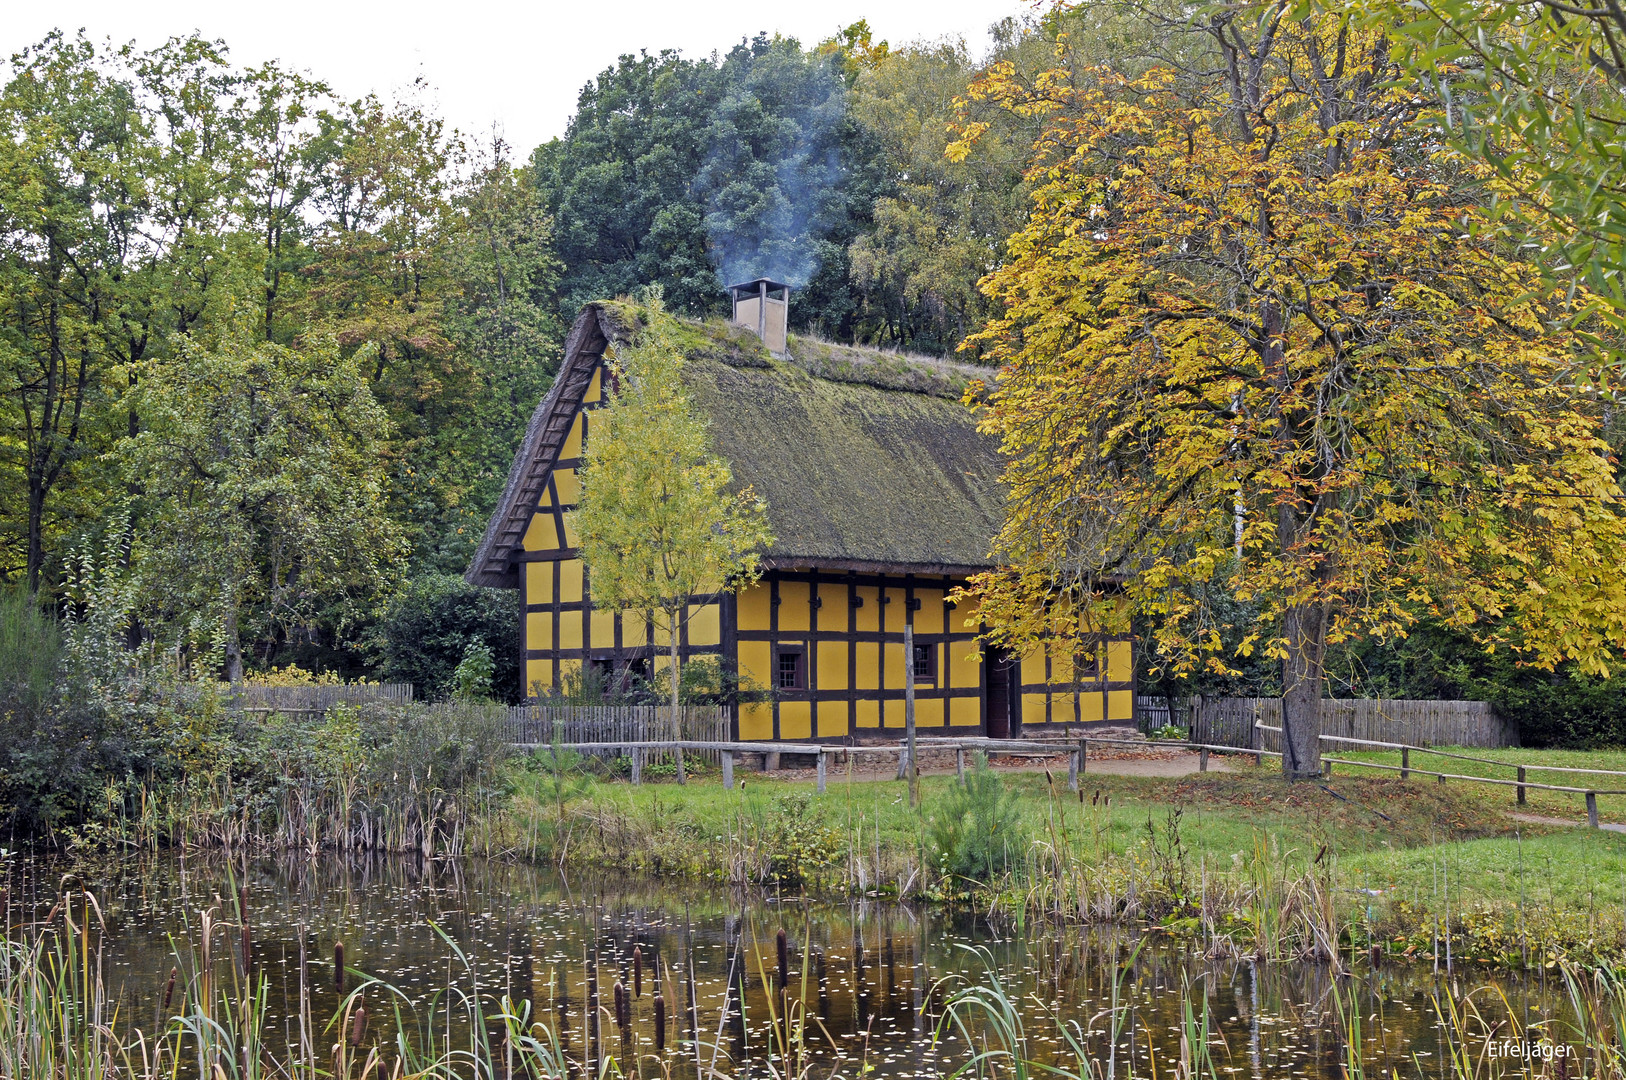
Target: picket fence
(541, 725)
(317, 699)
(1230, 722)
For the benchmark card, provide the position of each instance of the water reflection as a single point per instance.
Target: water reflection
(591, 957)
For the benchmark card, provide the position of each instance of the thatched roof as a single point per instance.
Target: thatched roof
(867, 460)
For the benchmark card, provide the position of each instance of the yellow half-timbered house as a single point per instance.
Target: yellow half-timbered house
(882, 496)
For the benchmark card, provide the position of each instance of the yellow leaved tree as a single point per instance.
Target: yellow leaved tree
(1253, 345)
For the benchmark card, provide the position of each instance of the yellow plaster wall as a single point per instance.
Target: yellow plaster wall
(869, 664)
(965, 712)
(1092, 707)
(832, 665)
(756, 663)
(832, 719)
(892, 710)
(793, 611)
(705, 624)
(893, 659)
(573, 441)
(566, 482)
(1120, 663)
(869, 613)
(795, 719)
(570, 581)
(1120, 704)
(964, 667)
(752, 608)
(634, 630)
(1033, 708)
(756, 721)
(595, 388)
(570, 630)
(928, 712)
(538, 630)
(868, 713)
(539, 583)
(602, 628)
(538, 673)
(833, 610)
(929, 619)
(540, 534)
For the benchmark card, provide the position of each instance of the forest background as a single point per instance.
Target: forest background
(265, 355)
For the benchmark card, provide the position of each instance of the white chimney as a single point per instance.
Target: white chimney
(763, 307)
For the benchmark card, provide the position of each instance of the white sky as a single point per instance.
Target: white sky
(514, 64)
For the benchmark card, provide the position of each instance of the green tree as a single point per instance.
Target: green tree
(262, 491)
(1535, 90)
(432, 622)
(657, 523)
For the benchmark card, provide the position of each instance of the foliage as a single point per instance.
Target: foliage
(430, 625)
(472, 679)
(976, 831)
(263, 491)
(657, 523)
(1323, 390)
(1533, 90)
(678, 172)
(30, 655)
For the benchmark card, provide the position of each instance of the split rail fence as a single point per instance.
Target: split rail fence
(316, 699)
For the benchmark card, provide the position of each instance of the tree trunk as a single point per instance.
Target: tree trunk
(909, 709)
(677, 717)
(1305, 629)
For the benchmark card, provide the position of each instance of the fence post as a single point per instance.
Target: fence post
(1072, 771)
(821, 770)
(903, 758)
(1258, 741)
(1326, 768)
(1592, 809)
(637, 764)
(1083, 756)
(1521, 785)
(727, 759)
(1405, 762)
(1202, 759)
(682, 777)
(959, 764)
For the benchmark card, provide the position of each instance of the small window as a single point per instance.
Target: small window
(925, 665)
(790, 673)
(1087, 666)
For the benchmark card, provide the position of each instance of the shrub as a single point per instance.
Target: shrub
(977, 831)
(428, 629)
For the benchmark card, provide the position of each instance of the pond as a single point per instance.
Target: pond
(874, 977)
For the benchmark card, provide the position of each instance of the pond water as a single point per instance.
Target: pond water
(874, 975)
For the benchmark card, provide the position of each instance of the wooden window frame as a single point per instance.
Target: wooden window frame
(925, 656)
(800, 672)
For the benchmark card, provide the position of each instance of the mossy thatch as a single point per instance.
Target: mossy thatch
(867, 459)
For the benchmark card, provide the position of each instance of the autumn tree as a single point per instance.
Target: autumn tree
(1254, 341)
(657, 523)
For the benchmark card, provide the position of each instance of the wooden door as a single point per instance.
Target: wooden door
(1000, 673)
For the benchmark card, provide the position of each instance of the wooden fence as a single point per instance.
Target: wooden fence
(1230, 722)
(317, 699)
(540, 725)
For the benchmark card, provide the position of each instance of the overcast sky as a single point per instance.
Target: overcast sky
(517, 65)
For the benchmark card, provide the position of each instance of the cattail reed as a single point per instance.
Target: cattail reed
(660, 1022)
(5, 912)
(637, 971)
(338, 967)
(622, 1013)
(784, 960)
(169, 994)
(358, 1024)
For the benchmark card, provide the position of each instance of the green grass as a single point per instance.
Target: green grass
(1570, 806)
(1373, 857)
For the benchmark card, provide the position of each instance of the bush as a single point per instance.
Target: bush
(977, 831)
(428, 629)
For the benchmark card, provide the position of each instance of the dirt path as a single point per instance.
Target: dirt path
(867, 769)
(1539, 819)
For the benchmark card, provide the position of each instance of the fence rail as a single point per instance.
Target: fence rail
(317, 698)
(540, 725)
(1231, 722)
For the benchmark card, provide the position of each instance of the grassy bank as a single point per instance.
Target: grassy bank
(1240, 862)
